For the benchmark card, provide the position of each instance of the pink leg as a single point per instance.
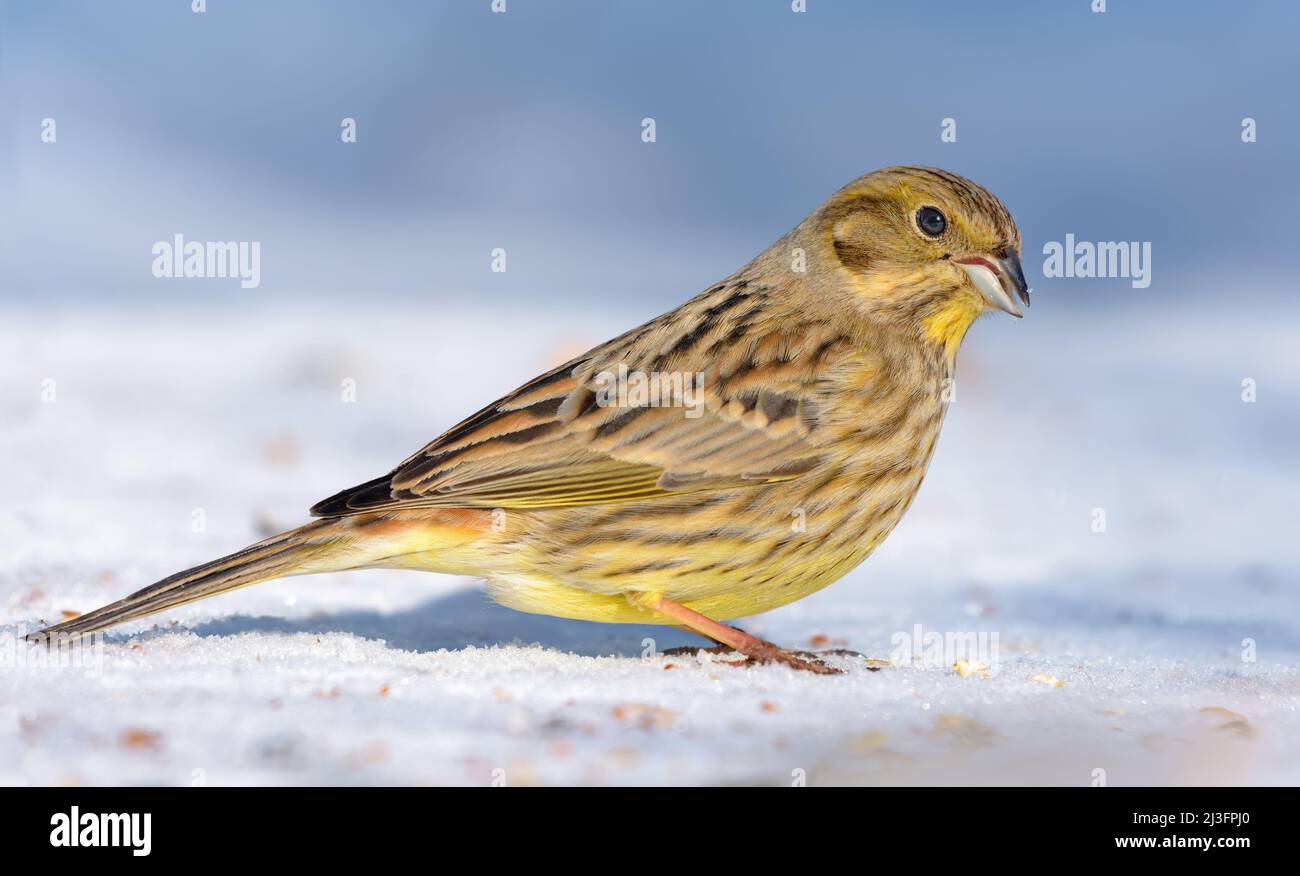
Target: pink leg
(752, 647)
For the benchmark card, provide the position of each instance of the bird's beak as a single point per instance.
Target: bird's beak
(1000, 280)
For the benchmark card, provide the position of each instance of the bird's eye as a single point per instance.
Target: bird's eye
(931, 221)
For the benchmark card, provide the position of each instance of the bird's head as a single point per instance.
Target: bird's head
(925, 248)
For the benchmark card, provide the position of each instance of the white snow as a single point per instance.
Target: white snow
(1119, 651)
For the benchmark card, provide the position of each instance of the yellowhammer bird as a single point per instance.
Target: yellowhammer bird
(724, 459)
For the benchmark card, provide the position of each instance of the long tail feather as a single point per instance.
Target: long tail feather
(289, 553)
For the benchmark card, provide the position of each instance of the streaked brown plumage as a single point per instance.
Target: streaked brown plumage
(823, 366)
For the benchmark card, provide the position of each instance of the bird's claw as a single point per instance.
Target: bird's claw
(806, 661)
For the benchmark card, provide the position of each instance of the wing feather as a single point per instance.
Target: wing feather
(551, 443)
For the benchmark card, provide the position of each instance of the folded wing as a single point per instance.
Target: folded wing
(740, 406)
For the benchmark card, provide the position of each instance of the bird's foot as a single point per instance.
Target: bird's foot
(691, 651)
(810, 661)
(804, 661)
(731, 639)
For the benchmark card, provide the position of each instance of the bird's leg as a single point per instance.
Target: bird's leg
(754, 648)
(687, 650)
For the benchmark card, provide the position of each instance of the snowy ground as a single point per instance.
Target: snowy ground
(170, 440)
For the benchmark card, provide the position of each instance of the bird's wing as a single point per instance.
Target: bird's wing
(565, 439)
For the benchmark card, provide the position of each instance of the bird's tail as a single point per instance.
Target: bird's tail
(315, 547)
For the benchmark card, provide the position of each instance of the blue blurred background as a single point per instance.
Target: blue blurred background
(522, 130)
